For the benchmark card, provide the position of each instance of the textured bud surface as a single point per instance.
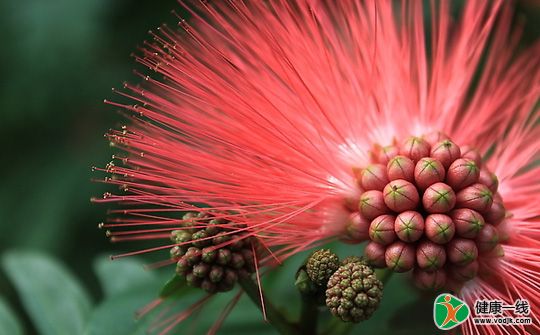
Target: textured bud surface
(321, 265)
(353, 293)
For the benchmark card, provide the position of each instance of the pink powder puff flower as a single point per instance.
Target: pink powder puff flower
(268, 113)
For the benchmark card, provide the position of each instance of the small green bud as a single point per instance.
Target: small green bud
(321, 265)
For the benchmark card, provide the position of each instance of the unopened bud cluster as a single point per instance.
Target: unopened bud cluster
(351, 288)
(211, 253)
(428, 204)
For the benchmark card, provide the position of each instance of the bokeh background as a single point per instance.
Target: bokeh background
(59, 60)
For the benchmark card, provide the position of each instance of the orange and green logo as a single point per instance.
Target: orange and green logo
(449, 311)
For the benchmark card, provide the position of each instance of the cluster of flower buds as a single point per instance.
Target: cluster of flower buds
(351, 288)
(211, 253)
(428, 205)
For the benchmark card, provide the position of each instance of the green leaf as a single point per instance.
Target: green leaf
(54, 299)
(9, 324)
(176, 286)
(116, 315)
(119, 276)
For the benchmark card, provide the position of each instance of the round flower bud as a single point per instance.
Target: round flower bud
(430, 256)
(182, 266)
(487, 239)
(427, 172)
(374, 177)
(489, 179)
(381, 229)
(476, 196)
(400, 167)
(223, 256)
(445, 152)
(356, 229)
(321, 265)
(216, 274)
(465, 272)
(387, 153)
(208, 255)
(462, 173)
(472, 154)
(400, 256)
(180, 236)
(468, 222)
(415, 148)
(496, 213)
(432, 280)
(461, 251)
(237, 261)
(193, 256)
(353, 293)
(409, 226)
(439, 198)
(208, 286)
(201, 270)
(435, 137)
(400, 195)
(193, 280)
(374, 253)
(439, 228)
(372, 204)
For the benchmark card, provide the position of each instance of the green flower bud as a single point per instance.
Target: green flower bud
(321, 265)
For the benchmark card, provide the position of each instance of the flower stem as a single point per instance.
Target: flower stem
(308, 317)
(278, 320)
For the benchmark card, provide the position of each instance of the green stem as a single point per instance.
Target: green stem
(273, 316)
(338, 327)
(308, 317)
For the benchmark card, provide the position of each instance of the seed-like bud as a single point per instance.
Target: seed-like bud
(353, 293)
(216, 274)
(400, 256)
(468, 222)
(182, 266)
(472, 154)
(430, 280)
(374, 253)
(435, 137)
(223, 256)
(409, 226)
(230, 277)
(177, 252)
(430, 256)
(400, 167)
(214, 227)
(357, 228)
(445, 152)
(193, 255)
(372, 204)
(439, 228)
(465, 272)
(461, 251)
(193, 280)
(208, 286)
(462, 173)
(489, 179)
(201, 270)
(496, 213)
(400, 195)
(237, 260)
(180, 236)
(415, 148)
(321, 265)
(381, 229)
(439, 198)
(208, 255)
(487, 239)
(427, 172)
(387, 153)
(374, 177)
(221, 238)
(476, 196)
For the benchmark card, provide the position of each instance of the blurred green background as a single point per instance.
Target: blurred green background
(59, 60)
